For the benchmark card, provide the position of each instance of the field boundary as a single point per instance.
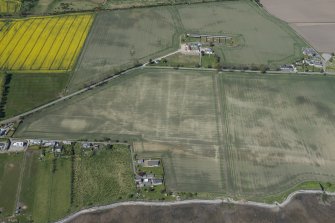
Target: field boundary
(175, 203)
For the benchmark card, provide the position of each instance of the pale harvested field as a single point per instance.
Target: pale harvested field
(313, 19)
(237, 134)
(298, 11)
(319, 35)
(121, 39)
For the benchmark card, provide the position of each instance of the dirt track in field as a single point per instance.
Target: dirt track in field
(312, 19)
(303, 208)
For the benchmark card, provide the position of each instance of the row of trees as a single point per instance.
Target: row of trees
(4, 94)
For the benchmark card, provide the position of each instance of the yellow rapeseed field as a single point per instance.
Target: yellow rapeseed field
(43, 44)
(10, 6)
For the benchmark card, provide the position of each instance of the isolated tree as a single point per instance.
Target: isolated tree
(263, 68)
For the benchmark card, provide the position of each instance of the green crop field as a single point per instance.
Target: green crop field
(238, 134)
(266, 40)
(27, 91)
(121, 39)
(10, 167)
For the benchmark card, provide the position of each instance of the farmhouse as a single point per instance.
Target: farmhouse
(288, 68)
(309, 52)
(147, 180)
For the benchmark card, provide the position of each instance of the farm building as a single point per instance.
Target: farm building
(152, 163)
(210, 38)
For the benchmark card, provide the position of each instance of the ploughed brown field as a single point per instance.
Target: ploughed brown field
(313, 19)
(302, 209)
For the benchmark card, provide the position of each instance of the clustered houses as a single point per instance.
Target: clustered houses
(312, 58)
(4, 129)
(143, 179)
(197, 48)
(13, 145)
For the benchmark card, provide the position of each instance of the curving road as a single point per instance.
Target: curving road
(217, 201)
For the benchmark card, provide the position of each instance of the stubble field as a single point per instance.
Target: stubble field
(237, 134)
(42, 43)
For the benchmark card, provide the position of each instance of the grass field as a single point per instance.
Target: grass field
(121, 39)
(266, 40)
(46, 194)
(42, 44)
(50, 6)
(103, 178)
(10, 167)
(27, 91)
(244, 135)
(53, 187)
(9, 6)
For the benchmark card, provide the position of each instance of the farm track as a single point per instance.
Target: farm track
(220, 131)
(115, 76)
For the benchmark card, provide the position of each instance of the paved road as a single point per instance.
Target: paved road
(217, 201)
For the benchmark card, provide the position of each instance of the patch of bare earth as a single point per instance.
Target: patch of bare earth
(312, 19)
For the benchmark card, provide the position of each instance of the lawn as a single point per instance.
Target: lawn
(27, 91)
(10, 167)
(103, 178)
(180, 60)
(239, 134)
(42, 44)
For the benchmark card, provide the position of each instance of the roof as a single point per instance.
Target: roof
(153, 162)
(213, 36)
